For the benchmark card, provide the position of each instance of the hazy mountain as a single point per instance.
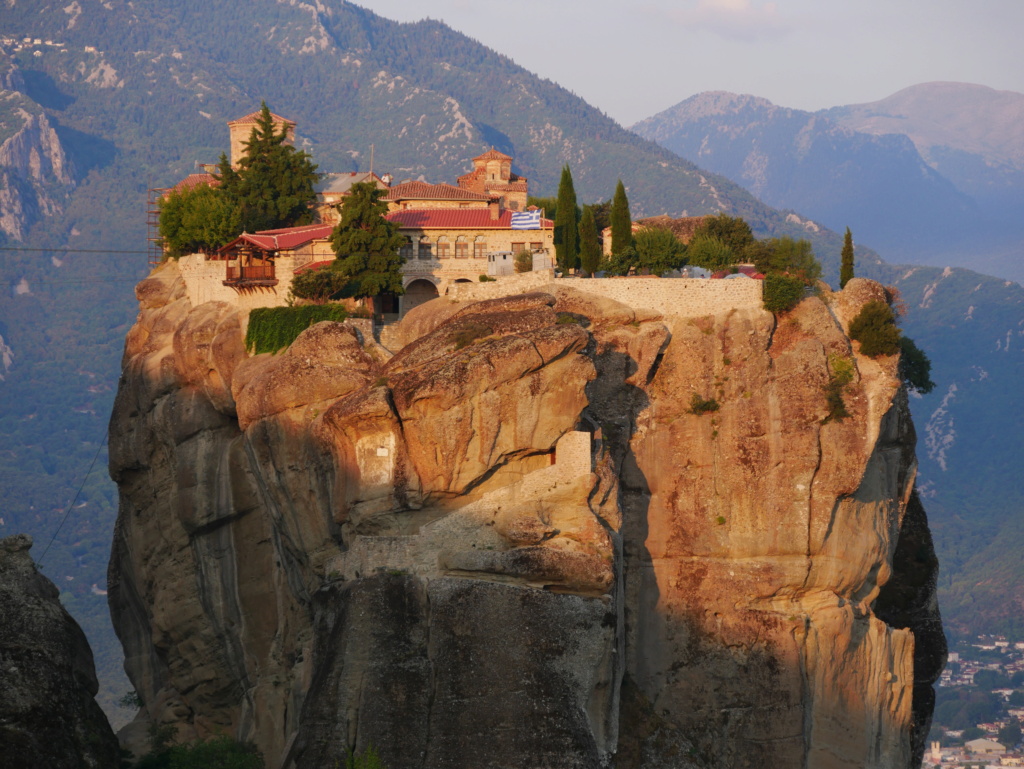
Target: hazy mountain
(137, 92)
(933, 174)
(971, 134)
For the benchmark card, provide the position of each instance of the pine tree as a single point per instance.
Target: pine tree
(566, 224)
(590, 246)
(846, 263)
(367, 245)
(622, 224)
(274, 184)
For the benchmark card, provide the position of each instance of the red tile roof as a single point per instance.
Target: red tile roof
(253, 117)
(425, 191)
(456, 219)
(493, 154)
(192, 181)
(286, 239)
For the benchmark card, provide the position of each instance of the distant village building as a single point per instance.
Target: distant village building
(984, 747)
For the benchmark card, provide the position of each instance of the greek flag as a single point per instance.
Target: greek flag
(526, 220)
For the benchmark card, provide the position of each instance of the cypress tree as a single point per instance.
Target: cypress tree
(367, 245)
(566, 224)
(590, 246)
(622, 224)
(846, 264)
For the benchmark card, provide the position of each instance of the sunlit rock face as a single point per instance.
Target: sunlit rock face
(513, 543)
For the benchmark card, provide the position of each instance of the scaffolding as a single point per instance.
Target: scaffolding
(155, 247)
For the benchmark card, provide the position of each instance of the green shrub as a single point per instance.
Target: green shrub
(710, 252)
(215, 753)
(274, 328)
(622, 262)
(487, 279)
(700, 405)
(318, 285)
(524, 262)
(875, 328)
(782, 292)
(659, 250)
(368, 759)
(840, 376)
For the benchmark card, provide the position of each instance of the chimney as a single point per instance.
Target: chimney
(495, 206)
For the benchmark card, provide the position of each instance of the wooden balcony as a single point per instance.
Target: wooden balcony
(250, 275)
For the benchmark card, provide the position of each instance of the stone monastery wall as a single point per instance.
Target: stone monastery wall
(204, 282)
(684, 297)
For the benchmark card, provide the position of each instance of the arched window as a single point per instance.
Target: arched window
(442, 247)
(479, 247)
(461, 247)
(426, 248)
(406, 250)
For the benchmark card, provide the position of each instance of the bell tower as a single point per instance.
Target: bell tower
(241, 130)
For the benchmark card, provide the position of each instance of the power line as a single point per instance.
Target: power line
(77, 494)
(72, 250)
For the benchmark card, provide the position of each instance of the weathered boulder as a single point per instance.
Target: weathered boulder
(48, 716)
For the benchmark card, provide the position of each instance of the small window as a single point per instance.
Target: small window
(442, 249)
(517, 247)
(479, 249)
(536, 246)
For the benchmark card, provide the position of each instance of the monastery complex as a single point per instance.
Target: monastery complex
(453, 234)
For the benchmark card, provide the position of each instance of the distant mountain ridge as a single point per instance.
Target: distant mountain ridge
(932, 174)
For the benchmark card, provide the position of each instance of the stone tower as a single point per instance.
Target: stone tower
(241, 129)
(492, 175)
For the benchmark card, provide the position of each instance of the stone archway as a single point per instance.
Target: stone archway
(418, 292)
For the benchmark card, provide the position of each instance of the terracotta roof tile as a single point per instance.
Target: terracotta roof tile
(285, 239)
(456, 219)
(493, 154)
(426, 191)
(192, 181)
(253, 117)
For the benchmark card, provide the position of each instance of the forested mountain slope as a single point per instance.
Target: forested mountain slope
(138, 92)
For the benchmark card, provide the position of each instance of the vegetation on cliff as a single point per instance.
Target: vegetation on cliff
(274, 328)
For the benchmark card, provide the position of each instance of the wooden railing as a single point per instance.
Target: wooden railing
(238, 272)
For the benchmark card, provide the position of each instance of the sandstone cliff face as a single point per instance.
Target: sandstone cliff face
(511, 544)
(48, 716)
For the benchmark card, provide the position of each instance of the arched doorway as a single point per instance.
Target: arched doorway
(417, 293)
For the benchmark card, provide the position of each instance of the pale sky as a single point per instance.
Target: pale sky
(634, 58)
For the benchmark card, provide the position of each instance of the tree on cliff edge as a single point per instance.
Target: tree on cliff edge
(367, 245)
(274, 184)
(846, 263)
(566, 223)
